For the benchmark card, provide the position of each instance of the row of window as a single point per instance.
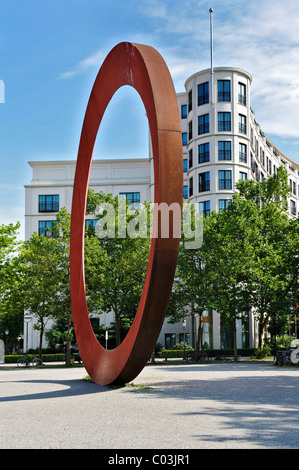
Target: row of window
(50, 202)
(224, 153)
(203, 95)
(204, 206)
(224, 125)
(48, 227)
(224, 181)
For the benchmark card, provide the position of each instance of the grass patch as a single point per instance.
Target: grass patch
(139, 387)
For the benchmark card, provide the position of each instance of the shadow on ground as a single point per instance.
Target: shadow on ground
(259, 409)
(70, 388)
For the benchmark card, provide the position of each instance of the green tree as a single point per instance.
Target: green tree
(45, 283)
(228, 258)
(11, 302)
(273, 279)
(249, 250)
(39, 259)
(190, 292)
(62, 299)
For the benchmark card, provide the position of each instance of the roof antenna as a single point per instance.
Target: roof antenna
(211, 46)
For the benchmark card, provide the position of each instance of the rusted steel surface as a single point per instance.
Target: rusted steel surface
(143, 68)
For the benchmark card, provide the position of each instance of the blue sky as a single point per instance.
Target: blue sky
(50, 53)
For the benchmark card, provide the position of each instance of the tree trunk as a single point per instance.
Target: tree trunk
(199, 333)
(68, 341)
(235, 339)
(40, 349)
(261, 332)
(193, 329)
(117, 328)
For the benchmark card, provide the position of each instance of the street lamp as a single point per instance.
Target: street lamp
(27, 320)
(184, 328)
(6, 336)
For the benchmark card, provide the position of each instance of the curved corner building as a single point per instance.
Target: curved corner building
(222, 141)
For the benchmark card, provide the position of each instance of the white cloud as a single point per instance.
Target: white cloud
(260, 36)
(83, 65)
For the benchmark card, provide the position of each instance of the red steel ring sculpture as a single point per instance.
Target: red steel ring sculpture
(143, 68)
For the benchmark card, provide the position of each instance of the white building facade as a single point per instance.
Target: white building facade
(222, 143)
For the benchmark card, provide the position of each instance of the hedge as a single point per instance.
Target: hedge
(177, 353)
(58, 357)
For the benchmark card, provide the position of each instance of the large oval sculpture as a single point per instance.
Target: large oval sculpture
(143, 68)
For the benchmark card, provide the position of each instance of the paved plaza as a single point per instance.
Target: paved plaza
(168, 406)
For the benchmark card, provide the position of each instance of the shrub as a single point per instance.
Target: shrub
(13, 358)
(262, 353)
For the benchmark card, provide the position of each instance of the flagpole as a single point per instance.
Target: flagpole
(211, 48)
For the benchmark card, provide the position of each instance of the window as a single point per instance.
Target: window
(203, 153)
(46, 227)
(224, 122)
(190, 101)
(185, 336)
(204, 208)
(207, 330)
(243, 153)
(262, 156)
(190, 187)
(225, 179)
(185, 165)
(203, 124)
(256, 146)
(190, 130)
(204, 182)
(293, 207)
(184, 138)
(292, 187)
(185, 192)
(242, 93)
(227, 338)
(49, 203)
(224, 150)
(223, 90)
(134, 198)
(245, 329)
(184, 111)
(190, 158)
(91, 224)
(242, 176)
(242, 124)
(223, 204)
(203, 93)
(170, 340)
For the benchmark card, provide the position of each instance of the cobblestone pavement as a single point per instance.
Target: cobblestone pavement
(168, 406)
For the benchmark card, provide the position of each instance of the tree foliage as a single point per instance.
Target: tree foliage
(248, 259)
